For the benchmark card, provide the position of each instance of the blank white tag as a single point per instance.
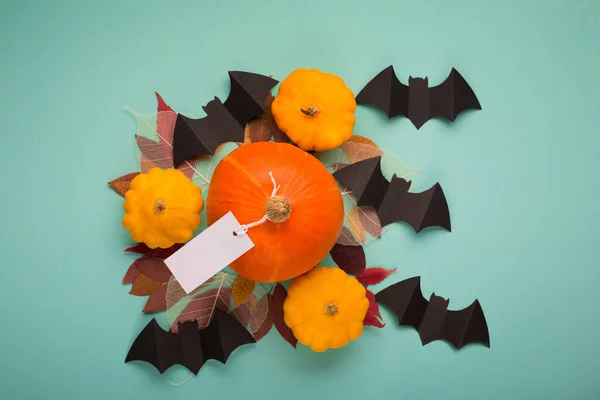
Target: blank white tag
(208, 253)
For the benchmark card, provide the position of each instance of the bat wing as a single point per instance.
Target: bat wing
(406, 300)
(190, 347)
(386, 92)
(164, 349)
(419, 210)
(194, 137)
(466, 326)
(222, 336)
(224, 122)
(452, 97)
(365, 180)
(247, 95)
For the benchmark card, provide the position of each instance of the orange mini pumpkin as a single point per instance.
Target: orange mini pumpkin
(304, 218)
(315, 109)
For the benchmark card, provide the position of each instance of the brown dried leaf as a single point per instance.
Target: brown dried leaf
(360, 151)
(146, 164)
(356, 226)
(252, 313)
(362, 139)
(281, 137)
(144, 286)
(247, 139)
(338, 165)
(369, 220)
(202, 307)
(267, 324)
(157, 301)
(153, 151)
(242, 288)
(121, 184)
(261, 128)
(346, 238)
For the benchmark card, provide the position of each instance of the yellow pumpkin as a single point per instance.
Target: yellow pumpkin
(162, 207)
(315, 109)
(325, 308)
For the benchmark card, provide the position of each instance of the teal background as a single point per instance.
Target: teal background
(521, 178)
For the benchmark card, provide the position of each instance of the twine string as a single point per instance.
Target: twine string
(243, 229)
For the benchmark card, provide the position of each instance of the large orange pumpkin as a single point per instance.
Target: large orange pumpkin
(304, 218)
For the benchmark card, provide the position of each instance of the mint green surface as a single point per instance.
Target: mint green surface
(521, 178)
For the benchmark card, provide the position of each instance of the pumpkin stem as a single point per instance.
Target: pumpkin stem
(331, 309)
(278, 209)
(310, 111)
(159, 206)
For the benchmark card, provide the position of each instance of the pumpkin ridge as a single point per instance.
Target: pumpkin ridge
(240, 168)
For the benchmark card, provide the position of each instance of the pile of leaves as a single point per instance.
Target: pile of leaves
(256, 306)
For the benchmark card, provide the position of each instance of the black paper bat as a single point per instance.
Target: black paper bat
(432, 319)
(224, 122)
(391, 200)
(418, 102)
(190, 347)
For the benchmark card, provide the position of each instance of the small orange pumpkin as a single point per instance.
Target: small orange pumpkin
(162, 207)
(325, 308)
(304, 218)
(315, 109)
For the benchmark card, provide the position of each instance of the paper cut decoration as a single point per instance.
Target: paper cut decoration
(217, 246)
(418, 102)
(224, 122)
(432, 319)
(190, 347)
(391, 200)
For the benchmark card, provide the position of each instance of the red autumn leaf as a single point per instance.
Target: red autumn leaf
(154, 268)
(132, 272)
(162, 106)
(375, 275)
(349, 258)
(267, 324)
(165, 129)
(373, 317)
(155, 253)
(279, 295)
(157, 301)
(372, 321)
(122, 183)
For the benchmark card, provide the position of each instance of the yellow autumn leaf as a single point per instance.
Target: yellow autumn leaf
(241, 290)
(355, 225)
